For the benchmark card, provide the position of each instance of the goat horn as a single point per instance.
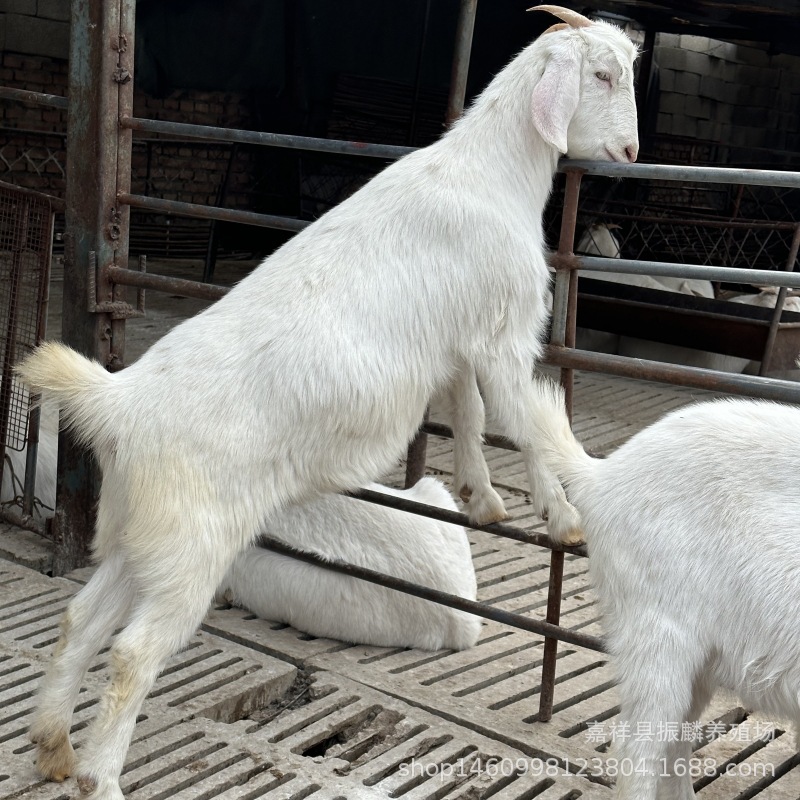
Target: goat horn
(559, 26)
(572, 18)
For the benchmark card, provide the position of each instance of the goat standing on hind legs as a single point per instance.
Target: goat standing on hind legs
(313, 374)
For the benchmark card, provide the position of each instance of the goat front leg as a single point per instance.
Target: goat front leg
(507, 386)
(470, 473)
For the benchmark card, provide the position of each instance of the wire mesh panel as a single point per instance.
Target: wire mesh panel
(26, 235)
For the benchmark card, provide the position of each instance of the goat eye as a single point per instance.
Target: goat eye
(603, 76)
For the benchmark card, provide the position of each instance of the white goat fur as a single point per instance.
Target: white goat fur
(694, 545)
(312, 374)
(329, 604)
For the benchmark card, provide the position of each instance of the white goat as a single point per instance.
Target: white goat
(694, 546)
(313, 373)
(329, 604)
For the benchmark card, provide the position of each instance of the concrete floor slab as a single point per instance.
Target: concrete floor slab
(257, 709)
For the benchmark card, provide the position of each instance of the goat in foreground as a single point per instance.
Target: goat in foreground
(694, 551)
(336, 606)
(312, 374)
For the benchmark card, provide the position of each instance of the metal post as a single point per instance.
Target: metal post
(415, 460)
(563, 333)
(779, 302)
(99, 31)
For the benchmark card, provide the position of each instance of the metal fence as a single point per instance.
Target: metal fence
(96, 255)
(26, 241)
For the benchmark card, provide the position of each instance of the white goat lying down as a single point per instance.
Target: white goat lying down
(693, 530)
(329, 604)
(312, 374)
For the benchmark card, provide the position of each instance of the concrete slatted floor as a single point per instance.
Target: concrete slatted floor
(257, 709)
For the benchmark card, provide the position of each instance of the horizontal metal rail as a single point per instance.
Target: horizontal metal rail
(38, 98)
(611, 169)
(212, 212)
(668, 270)
(694, 377)
(442, 598)
(457, 518)
(215, 134)
(164, 283)
(671, 172)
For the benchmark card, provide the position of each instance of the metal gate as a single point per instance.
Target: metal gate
(100, 116)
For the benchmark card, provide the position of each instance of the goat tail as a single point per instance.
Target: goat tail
(554, 440)
(80, 387)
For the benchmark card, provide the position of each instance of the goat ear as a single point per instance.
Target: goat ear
(555, 97)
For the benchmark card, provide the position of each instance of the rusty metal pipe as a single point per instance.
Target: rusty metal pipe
(37, 98)
(164, 283)
(704, 272)
(550, 654)
(457, 518)
(540, 627)
(670, 172)
(216, 134)
(465, 27)
(780, 300)
(748, 385)
(211, 212)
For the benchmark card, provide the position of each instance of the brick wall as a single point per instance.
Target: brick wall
(738, 96)
(34, 43)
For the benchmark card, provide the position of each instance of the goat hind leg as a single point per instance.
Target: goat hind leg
(511, 400)
(471, 475)
(175, 581)
(87, 623)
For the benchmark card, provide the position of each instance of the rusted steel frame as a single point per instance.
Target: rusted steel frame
(9, 353)
(676, 172)
(123, 76)
(216, 134)
(25, 521)
(710, 380)
(416, 455)
(418, 448)
(552, 617)
(39, 98)
(457, 518)
(461, 57)
(56, 203)
(211, 212)
(779, 303)
(98, 29)
(163, 283)
(562, 334)
(540, 627)
(703, 272)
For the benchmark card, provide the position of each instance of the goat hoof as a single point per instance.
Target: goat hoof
(486, 508)
(55, 758)
(571, 538)
(94, 789)
(564, 525)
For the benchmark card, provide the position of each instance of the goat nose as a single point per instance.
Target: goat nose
(631, 152)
